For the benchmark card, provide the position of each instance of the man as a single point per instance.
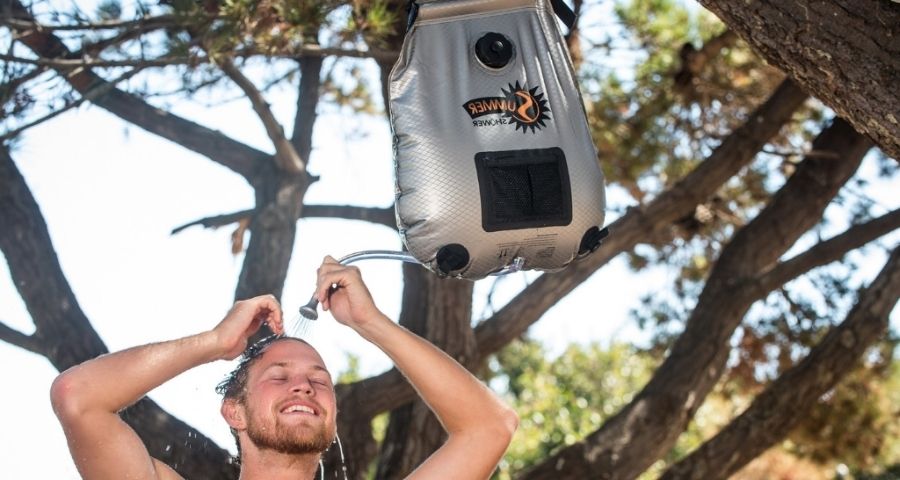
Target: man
(280, 402)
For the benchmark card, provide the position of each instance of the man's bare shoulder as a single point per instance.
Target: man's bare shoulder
(165, 472)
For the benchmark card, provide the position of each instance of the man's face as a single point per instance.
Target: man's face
(290, 405)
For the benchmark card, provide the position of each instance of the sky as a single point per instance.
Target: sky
(111, 194)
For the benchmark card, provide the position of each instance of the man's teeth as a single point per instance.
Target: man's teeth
(298, 408)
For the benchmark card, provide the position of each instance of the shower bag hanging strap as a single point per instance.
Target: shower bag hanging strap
(560, 8)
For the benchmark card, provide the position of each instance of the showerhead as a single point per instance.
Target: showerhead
(309, 311)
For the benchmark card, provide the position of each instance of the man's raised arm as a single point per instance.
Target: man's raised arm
(88, 397)
(480, 425)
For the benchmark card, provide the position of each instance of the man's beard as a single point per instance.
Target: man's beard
(288, 440)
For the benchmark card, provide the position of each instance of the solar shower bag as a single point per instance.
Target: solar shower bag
(494, 161)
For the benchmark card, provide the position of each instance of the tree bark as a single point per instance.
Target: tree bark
(643, 431)
(66, 338)
(279, 200)
(61, 327)
(776, 411)
(844, 52)
(307, 101)
(440, 310)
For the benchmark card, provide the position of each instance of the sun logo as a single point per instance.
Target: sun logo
(524, 107)
(530, 107)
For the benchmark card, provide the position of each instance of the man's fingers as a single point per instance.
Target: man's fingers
(334, 276)
(269, 310)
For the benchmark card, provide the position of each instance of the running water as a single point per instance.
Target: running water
(298, 326)
(341, 450)
(321, 469)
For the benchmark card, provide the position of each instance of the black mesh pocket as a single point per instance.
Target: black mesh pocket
(524, 189)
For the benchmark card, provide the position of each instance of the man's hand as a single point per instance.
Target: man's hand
(341, 290)
(243, 320)
(88, 397)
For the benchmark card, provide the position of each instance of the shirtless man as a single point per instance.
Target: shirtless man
(282, 407)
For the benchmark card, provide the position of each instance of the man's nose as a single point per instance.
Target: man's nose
(302, 385)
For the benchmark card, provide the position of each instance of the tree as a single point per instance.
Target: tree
(866, 36)
(697, 136)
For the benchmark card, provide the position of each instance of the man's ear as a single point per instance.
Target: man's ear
(234, 414)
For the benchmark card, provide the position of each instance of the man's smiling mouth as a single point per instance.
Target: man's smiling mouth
(299, 408)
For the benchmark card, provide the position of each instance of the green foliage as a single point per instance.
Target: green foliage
(858, 422)
(560, 401)
(373, 22)
(653, 122)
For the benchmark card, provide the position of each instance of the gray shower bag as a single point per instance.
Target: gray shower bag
(494, 162)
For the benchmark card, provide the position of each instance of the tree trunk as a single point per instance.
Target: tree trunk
(439, 310)
(629, 442)
(844, 52)
(279, 200)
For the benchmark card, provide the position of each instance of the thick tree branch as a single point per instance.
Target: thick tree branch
(312, 50)
(776, 411)
(65, 336)
(649, 221)
(828, 251)
(212, 144)
(309, 51)
(19, 339)
(216, 221)
(86, 97)
(285, 155)
(381, 216)
(151, 22)
(378, 215)
(845, 52)
(63, 64)
(646, 428)
(308, 93)
(694, 61)
(60, 324)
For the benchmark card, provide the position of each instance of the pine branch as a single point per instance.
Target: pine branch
(64, 64)
(210, 143)
(285, 155)
(774, 412)
(656, 417)
(86, 97)
(828, 251)
(142, 23)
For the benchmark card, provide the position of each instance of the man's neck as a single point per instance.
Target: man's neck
(269, 465)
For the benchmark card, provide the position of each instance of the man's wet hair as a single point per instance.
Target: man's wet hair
(234, 386)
